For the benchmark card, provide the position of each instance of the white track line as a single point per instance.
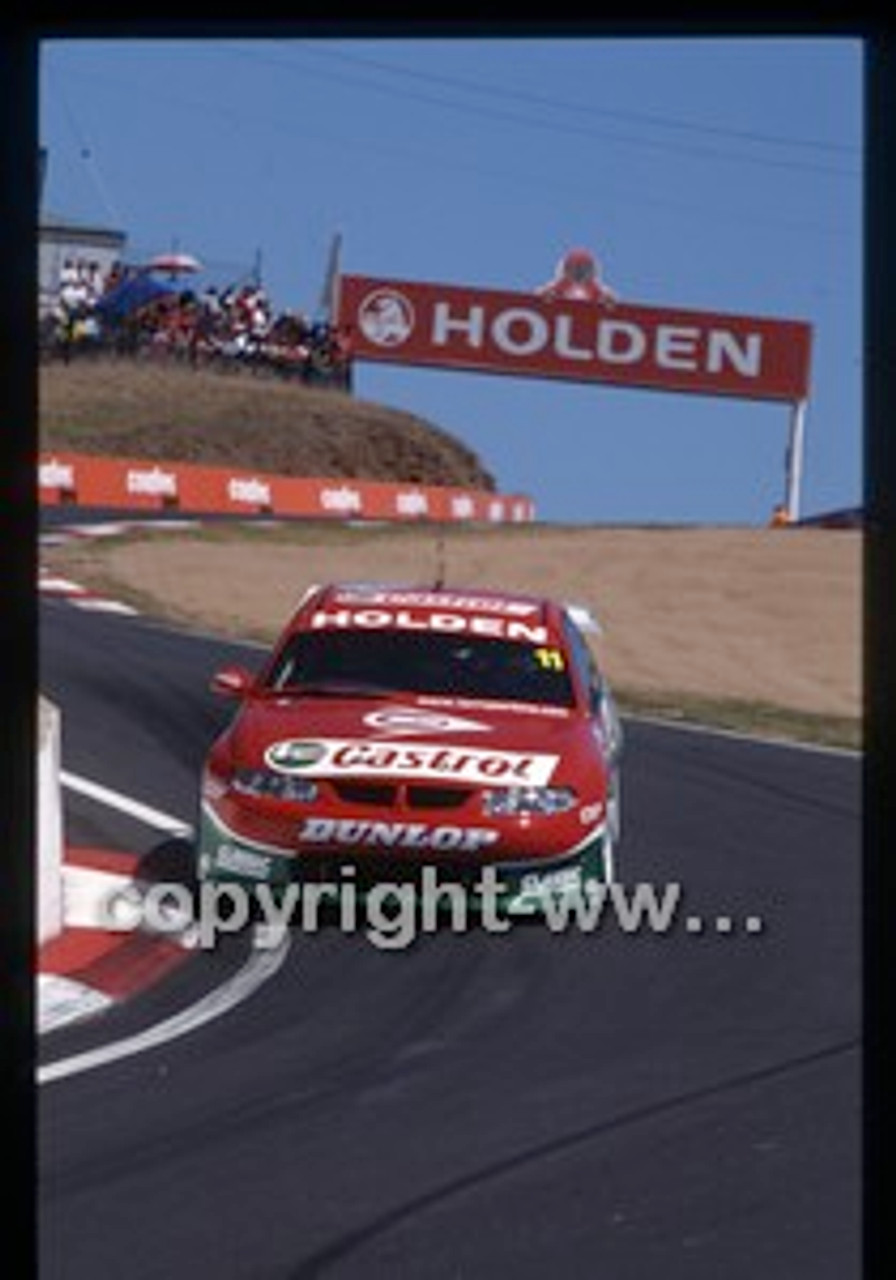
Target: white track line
(124, 804)
(260, 966)
(53, 585)
(99, 604)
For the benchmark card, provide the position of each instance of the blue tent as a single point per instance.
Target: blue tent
(132, 294)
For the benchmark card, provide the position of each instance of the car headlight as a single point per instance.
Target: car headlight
(279, 786)
(507, 802)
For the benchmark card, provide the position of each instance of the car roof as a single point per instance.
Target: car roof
(426, 596)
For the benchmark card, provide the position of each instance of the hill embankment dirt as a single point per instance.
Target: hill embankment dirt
(172, 412)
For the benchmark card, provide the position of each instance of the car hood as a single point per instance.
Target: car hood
(452, 739)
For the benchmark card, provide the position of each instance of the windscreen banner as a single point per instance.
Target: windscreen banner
(491, 331)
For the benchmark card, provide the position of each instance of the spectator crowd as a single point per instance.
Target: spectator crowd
(129, 311)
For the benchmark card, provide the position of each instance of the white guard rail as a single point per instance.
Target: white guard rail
(49, 822)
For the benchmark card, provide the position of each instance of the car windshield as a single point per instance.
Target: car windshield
(364, 662)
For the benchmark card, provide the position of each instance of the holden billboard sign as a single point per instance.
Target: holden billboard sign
(492, 331)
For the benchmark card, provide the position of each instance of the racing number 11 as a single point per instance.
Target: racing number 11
(550, 659)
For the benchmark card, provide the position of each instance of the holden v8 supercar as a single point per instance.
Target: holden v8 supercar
(396, 728)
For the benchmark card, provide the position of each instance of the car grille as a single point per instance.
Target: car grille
(388, 795)
(418, 797)
(381, 794)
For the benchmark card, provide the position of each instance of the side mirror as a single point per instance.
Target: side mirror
(232, 682)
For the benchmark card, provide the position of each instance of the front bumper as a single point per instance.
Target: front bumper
(516, 887)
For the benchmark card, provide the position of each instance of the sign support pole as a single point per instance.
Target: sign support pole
(795, 451)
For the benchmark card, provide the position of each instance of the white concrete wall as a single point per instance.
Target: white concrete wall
(49, 821)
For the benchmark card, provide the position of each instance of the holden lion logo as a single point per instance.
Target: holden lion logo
(398, 721)
(386, 318)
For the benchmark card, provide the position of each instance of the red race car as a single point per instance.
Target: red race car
(397, 728)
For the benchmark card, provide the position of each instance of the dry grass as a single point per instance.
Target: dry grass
(171, 412)
(694, 618)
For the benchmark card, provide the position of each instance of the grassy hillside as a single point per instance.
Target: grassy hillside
(163, 411)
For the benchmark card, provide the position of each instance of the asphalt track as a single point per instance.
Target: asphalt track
(526, 1105)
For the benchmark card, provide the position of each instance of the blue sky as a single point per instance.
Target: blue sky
(717, 173)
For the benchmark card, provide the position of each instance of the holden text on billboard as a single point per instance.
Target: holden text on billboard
(451, 326)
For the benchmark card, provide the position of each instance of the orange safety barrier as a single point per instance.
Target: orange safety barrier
(138, 484)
